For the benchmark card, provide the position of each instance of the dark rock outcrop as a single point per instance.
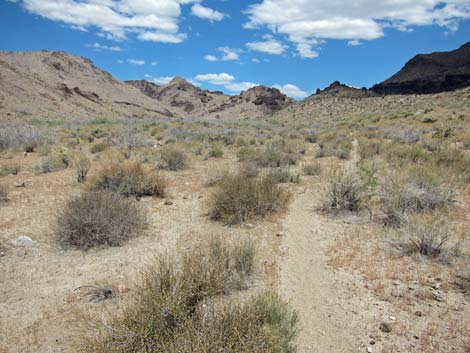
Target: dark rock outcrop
(430, 73)
(337, 89)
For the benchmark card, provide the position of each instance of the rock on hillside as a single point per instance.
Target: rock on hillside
(337, 89)
(188, 99)
(430, 73)
(57, 85)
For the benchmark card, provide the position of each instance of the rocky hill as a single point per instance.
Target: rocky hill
(338, 89)
(57, 85)
(188, 99)
(430, 73)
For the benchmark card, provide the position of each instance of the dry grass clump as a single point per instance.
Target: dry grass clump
(426, 235)
(370, 148)
(312, 169)
(129, 179)
(98, 218)
(98, 147)
(9, 170)
(82, 167)
(420, 190)
(284, 175)
(172, 158)
(344, 191)
(249, 169)
(400, 153)
(238, 199)
(216, 151)
(181, 309)
(3, 193)
(334, 146)
(28, 138)
(53, 163)
(277, 154)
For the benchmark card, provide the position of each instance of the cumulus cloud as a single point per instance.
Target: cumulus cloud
(211, 58)
(292, 91)
(136, 62)
(226, 80)
(304, 22)
(98, 46)
(228, 54)
(354, 43)
(162, 80)
(207, 13)
(269, 46)
(115, 19)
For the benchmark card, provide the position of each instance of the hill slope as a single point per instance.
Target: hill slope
(430, 73)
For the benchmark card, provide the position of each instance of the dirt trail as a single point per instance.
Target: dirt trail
(320, 295)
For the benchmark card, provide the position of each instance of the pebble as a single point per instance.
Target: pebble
(385, 327)
(168, 203)
(369, 349)
(24, 241)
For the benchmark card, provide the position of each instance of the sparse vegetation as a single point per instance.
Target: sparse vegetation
(238, 199)
(98, 219)
(82, 167)
(9, 170)
(54, 163)
(312, 169)
(3, 193)
(98, 147)
(174, 310)
(284, 175)
(129, 179)
(172, 158)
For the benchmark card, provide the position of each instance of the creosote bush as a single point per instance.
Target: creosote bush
(9, 170)
(54, 163)
(312, 169)
(172, 158)
(82, 167)
(97, 219)
(284, 175)
(129, 179)
(98, 147)
(344, 191)
(238, 199)
(182, 309)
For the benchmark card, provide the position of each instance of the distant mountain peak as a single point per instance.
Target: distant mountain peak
(177, 80)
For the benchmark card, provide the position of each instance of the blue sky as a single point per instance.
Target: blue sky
(295, 45)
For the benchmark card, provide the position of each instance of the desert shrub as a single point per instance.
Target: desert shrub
(311, 137)
(216, 151)
(249, 169)
(248, 154)
(129, 179)
(238, 199)
(403, 135)
(370, 148)
(98, 147)
(283, 175)
(98, 218)
(54, 163)
(334, 146)
(9, 170)
(407, 153)
(312, 169)
(215, 176)
(419, 191)
(172, 158)
(181, 309)
(82, 167)
(28, 138)
(344, 191)
(3, 193)
(427, 236)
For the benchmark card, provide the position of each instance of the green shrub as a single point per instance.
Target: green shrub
(9, 170)
(344, 191)
(283, 175)
(182, 309)
(98, 147)
(238, 199)
(312, 169)
(129, 179)
(172, 158)
(98, 218)
(370, 148)
(216, 151)
(82, 167)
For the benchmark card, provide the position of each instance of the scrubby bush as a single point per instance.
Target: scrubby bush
(420, 190)
(172, 158)
(98, 147)
(98, 218)
(249, 169)
(334, 146)
(344, 191)
(182, 309)
(9, 170)
(28, 138)
(82, 167)
(3, 193)
(215, 176)
(370, 148)
(312, 169)
(54, 163)
(129, 179)
(427, 236)
(238, 199)
(283, 175)
(407, 153)
(216, 151)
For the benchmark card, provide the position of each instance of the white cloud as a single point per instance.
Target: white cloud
(306, 21)
(354, 43)
(115, 19)
(98, 46)
(207, 13)
(162, 80)
(216, 79)
(292, 91)
(269, 46)
(226, 80)
(154, 63)
(136, 62)
(255, 60)
(230, 54)
(211, 58)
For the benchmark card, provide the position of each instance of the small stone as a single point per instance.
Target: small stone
(396, 283)
(372, 342)
(369, 349)
(416, 337)
(322, 333)
(122, 288)
(418, 313)
(393, 318)
(280, 234)
(24, 241)
(437, 286)
(385, 327)
(168, 203)
(249, 226)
